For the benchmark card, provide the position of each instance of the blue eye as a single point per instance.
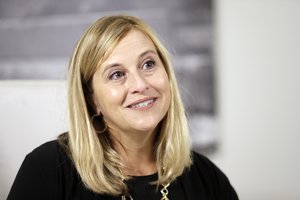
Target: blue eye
(116, 75)
(149, 64)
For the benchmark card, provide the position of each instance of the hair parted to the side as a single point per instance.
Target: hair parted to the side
(93, 155)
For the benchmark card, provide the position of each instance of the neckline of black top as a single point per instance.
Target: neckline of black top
(146, 178)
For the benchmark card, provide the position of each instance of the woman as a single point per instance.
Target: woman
(128, 134)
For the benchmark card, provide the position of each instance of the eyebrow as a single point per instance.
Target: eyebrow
(112, 65)
(147, 52)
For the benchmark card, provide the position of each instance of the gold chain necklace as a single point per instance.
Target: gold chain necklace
(164, 193)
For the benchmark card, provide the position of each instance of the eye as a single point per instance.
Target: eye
(149, 64)
(116, 75)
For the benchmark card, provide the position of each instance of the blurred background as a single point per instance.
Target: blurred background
(38, 37)
(253, 70)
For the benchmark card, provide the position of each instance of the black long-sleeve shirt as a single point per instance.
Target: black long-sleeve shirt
(47, 173)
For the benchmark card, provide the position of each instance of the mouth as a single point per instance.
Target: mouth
(142, 104)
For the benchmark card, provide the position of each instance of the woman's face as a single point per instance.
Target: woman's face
(131, 87)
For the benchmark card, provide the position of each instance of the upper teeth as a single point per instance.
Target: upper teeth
(142, 104)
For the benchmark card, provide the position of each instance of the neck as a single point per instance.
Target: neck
(136, 150)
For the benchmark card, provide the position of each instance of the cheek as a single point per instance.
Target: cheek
(110, 97)
(162, 83)
(114, 93)
(167, 89)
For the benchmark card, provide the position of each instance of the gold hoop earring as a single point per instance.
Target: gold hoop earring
(97, 124)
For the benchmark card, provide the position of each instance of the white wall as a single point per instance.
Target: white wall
(31, 113)
(258, 93)
(258, 55)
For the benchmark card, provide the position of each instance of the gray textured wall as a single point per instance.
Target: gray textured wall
(37, 38)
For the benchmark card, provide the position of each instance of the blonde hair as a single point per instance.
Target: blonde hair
(93, 155)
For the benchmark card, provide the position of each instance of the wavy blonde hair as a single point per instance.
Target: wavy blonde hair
(93, 155)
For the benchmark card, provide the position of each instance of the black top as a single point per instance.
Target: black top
(47, 173)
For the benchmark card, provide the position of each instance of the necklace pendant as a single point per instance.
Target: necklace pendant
(164, 198)
(164, 192)
(127, 197)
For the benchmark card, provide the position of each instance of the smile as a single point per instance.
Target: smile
(143, 104)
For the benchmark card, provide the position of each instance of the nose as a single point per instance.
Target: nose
(137, 83)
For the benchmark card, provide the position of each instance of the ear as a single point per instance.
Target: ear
(98, 110)
(96, 106)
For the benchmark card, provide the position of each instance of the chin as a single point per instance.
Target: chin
(145, 129)
(145, 124)
(148, 128)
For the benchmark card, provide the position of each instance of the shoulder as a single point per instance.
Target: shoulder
(48, 154)
(51, 153)
(46, 149)
(46, 160)
(200, 159)
(37, 176)
(202, 166)
(203, 175)
(203, 163)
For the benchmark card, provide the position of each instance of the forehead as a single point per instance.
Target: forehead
(132, 44)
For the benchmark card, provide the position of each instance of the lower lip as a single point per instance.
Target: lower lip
(144, 108)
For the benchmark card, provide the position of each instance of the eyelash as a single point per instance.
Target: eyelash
(152, 62)
(121, 73)
(112, 76)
